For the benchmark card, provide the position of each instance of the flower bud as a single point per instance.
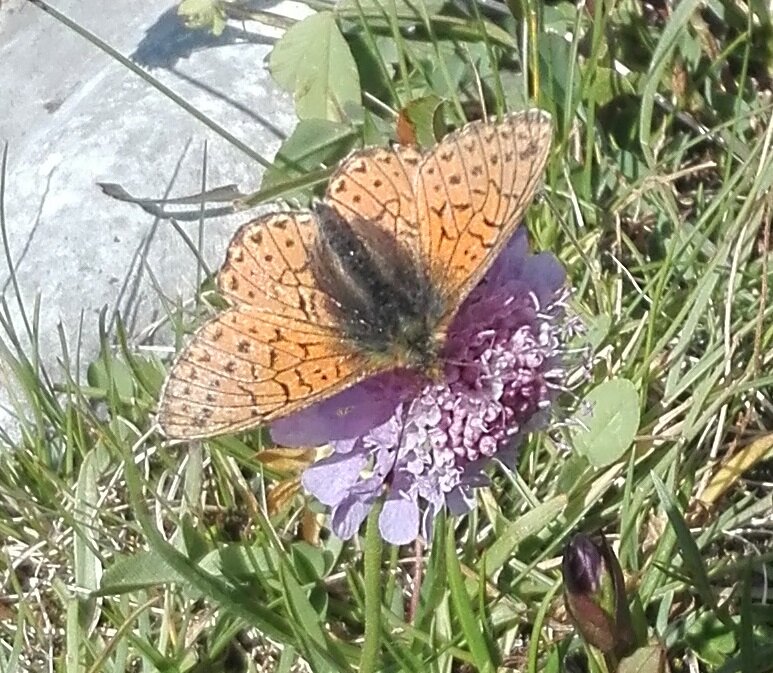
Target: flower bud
(594, 593)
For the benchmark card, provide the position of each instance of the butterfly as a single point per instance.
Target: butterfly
(367, 281)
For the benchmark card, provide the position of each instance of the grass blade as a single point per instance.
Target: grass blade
(462, 604)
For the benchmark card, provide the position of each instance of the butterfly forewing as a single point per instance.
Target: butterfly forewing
(376, 186)
(471, 192)
(276, 350)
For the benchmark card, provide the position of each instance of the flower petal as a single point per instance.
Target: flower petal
(399, 520)
(350, 413)
(329, 480)
(352, 510)
(460, 501)
(507, 265)
(545, 275)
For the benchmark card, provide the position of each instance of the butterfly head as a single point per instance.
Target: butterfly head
(418, 347)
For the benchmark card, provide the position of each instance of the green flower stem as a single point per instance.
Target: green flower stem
(373, 553)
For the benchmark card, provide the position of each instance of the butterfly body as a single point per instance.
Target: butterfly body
(367, 281)
(382, 300)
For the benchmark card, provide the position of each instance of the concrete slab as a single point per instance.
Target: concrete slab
(74, 117)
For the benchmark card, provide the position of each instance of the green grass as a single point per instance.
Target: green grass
(121, 552)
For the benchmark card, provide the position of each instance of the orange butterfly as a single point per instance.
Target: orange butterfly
(368, 281)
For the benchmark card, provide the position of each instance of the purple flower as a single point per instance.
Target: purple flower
(425, 444)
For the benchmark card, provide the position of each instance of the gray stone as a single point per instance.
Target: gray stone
(73, 117)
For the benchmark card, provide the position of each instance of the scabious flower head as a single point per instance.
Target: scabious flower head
(426, 444)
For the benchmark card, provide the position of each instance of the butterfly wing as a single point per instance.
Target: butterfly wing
(278, 349)
(471, 193)
(376, 186)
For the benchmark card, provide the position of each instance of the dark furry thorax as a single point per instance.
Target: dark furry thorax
(384, 301)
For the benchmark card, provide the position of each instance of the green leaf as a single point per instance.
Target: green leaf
(422, 114)
(610, 414)
(309, 561)
(138, 571)
(516, 531)
(313, 61)
(241, 564)
(235, 600)
(193, 540)
(434, 588)
(237, 563)
(678, 21)
(307, 622)
(314, 142)
(203, 14)
(88, 564)
(711, 639)
(379, 15)
(109, 374)
(458, 75)
(572, 473)
(374, 56)
(149, 373)
(691, 555)
(375, 130)
(597, 327)
(306, 181)
(555, 58)
(607, 84)
(649, 659)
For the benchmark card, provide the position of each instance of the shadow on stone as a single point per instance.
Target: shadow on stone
(264, 121)
(168, 40)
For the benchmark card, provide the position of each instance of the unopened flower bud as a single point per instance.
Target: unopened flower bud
(594, 593)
